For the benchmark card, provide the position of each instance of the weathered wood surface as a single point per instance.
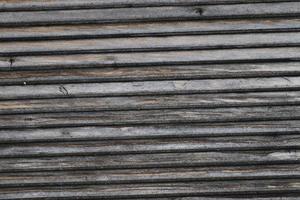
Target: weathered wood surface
(148, 29)
(216, 144)
(148, 175)
(109, 118)
(158, 99)
(159, 160)
(150, 102)
(160, 190)
(171, 72)
(32, 5)
(284, 9)
(148, 44)
(149, 88)
(131, 59)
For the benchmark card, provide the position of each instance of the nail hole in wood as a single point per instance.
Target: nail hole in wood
(199, 11)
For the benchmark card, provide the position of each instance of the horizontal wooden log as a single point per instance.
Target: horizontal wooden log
(150, 58)
(135, 161)
(150, 102)
(86, 75)
(31, 5)
(169, 145)
(148, 29)
(212, 189)
(151, 44)
(271, 128)
(286, 9)
(149, 88)
(110, 118)
(162, 175)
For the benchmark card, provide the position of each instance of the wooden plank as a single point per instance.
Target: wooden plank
(149, 88)
(110, 118)
(149, 102)
(169, 145)
(135, 161)
(272, 128)
(152, 44)
(212, 189)
(162, 175)
(172, 72)
(32, 5)
(150, 58)
(149, 29)
(286, 9)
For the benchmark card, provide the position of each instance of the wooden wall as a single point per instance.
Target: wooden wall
(150, 99)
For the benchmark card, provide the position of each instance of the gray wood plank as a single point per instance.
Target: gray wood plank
(152, 44)
(271, 128)
(31, 5)
(148, 29)
(149, 88)
(212, 189)
(149, 102)
(150, 58)
(162, 175)
(169, 145)
(135, 161)
(110, 118)
(9, 19)
(171, 72)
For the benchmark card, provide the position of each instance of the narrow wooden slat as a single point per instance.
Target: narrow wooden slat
(31, 5)
(148, 29)
(169, 145)
(149, 88)
(212, 189)
(150, 117)
(9, 19)
(116, 45)
(64, 178)
(88, 75)
(150, 58)
(150, 102)
(271, 128)
(134, 161)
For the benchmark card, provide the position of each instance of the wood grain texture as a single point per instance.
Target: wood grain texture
(214, 144)
(149, 88)
(285, 9)
(159, 190)
(148, 29)
(170, 72)
(150, 44)
(110, 118)
(32, 5)
(161, 175)
(150, 102)
(150, 58)
(162, 160)
(271, 128)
